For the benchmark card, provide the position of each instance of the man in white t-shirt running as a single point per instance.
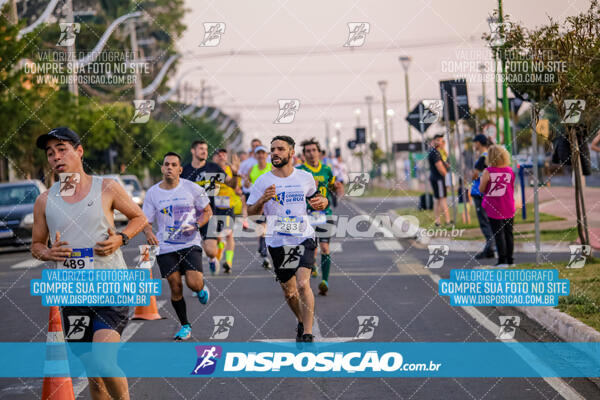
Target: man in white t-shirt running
(178, 207)
(281, 195)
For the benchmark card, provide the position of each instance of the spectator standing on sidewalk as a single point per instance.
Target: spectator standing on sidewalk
(480, 143)
(439, 169)
(497, 185)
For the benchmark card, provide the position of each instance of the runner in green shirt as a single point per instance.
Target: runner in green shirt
(323, 220)
(261, 167)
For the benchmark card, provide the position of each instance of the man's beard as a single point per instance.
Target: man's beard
(281, 163)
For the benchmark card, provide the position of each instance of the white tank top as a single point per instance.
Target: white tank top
(82, 224)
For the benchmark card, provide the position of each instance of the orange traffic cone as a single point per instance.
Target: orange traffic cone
(58, 385)
(149, 312)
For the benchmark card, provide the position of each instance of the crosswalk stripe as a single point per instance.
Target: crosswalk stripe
(388, 245)
(335, 247)
(30, 263)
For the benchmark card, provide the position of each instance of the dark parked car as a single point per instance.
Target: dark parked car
(16, 211)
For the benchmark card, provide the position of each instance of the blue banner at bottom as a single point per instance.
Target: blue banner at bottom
(352, 359)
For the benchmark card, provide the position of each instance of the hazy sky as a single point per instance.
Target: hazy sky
(332, 81)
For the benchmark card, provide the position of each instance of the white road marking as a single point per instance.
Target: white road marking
(558, 384)
(79, 384)
(388, 245)
(29, 263)
(335, 247)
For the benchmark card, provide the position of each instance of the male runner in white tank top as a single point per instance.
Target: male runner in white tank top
(84, 221)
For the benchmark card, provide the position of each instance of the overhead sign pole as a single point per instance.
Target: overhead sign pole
(424, 150)
(447, 125)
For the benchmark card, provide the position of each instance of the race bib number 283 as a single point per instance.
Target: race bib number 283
(79, 259)
(289, 226)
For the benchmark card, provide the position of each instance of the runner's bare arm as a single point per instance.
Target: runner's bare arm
(150, 237)
(339, 188)
(122, 202)
(206, 214)
(40, 234)
(256, 208)
(318, 202)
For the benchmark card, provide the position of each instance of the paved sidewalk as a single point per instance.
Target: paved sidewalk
(559, 201)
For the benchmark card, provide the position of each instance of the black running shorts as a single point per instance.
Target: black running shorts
(81, 322)
(188, 259)
(286, 259)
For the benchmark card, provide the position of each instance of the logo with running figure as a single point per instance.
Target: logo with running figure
(207, 359)
(498, 32)
(77, 326)
(366, 326)
(357, 183)
(573, 110)
(579, 254)
(68, 183)
(143, 109)
(499, 182)
(508, 327)
(437, 255)
(212, 183)
(357, 33)
(292, 256)
(147, 256)
(287, 111)
(212, 34)
(68, 33)
(223, 324)
(432, 110)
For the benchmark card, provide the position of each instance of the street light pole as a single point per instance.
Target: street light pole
(390, 114)
(405, 61)
(505, 112)
(382, 87)
(482, 69)
(357, 112)
(327, 139)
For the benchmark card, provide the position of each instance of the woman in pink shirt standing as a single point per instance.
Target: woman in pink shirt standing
(497, 185)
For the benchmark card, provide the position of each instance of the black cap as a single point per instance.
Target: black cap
(62, 133)
(481, 139)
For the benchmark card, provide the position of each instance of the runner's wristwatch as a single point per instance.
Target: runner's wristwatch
(125, 238)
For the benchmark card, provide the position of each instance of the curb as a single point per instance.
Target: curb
(561, 324)
(477, 245)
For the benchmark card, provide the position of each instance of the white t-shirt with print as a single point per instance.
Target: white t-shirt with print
(171, 210)
(288, 208)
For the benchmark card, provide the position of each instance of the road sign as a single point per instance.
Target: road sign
(514, 103)
(462, 99)
(351, 144)
(373, 146)
(406, 146)
(361, 135)
(431, 109)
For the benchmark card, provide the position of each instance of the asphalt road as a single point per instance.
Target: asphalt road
(370, 277)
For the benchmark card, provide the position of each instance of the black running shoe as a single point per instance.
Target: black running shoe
(307, 337)
(226, 268)
(299, 332)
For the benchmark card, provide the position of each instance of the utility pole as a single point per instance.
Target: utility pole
(72, 55)
(134, 48)
(382, 87)
(405, 61)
